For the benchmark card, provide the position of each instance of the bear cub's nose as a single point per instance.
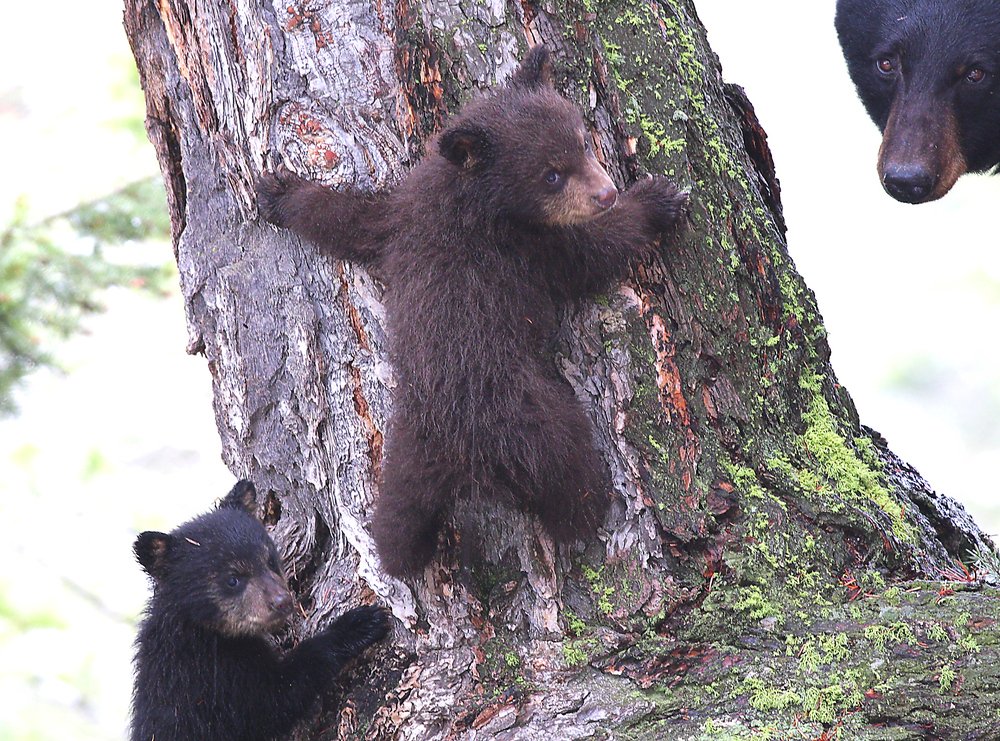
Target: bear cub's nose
(281, 603)
(606, 197)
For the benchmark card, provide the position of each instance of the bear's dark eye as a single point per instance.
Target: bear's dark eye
(886, 66)
(233, 581)
(975, 75)
(553, 177)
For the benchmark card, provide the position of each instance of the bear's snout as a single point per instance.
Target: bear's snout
(606, 197)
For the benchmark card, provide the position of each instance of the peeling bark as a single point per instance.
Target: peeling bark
(756, 520)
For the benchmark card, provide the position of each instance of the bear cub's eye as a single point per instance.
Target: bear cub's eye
(885, 65)
(553, 177)
(233, 582)
(975, 75)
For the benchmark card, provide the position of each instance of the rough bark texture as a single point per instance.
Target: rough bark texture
(751, 578)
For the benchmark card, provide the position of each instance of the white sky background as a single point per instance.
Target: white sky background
(126, 440)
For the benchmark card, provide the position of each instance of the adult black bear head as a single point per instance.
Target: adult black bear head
(927, 72)
(220, 570)
(525, 152)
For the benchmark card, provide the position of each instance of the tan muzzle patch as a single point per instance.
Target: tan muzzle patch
(578, 201)
(921, 155)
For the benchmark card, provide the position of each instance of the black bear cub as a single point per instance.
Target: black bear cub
(509, 216)
(205, 669)
(927, 71)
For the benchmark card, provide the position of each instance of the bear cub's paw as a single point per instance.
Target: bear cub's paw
(273, 191)
(660, 200)
(357, 629)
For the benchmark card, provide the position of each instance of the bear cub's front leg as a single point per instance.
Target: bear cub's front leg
(347, 223)
(351, 634)
(659, 201)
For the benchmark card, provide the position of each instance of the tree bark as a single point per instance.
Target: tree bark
(753, 575)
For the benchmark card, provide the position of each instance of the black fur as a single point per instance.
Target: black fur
(507, 217)
(205, 668)
(928, 72)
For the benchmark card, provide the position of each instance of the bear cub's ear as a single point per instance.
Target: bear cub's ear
(466, 145)
(535, 71)
(152, 549)
(243, 496)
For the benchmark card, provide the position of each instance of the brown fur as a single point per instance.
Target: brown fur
(479, 246)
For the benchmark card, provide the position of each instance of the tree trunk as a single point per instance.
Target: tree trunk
(751, 577)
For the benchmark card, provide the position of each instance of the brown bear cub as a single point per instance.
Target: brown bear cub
(205, 668)
(508, 217)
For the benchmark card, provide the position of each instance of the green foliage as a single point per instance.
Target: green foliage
(573, 654)
(602, 591)
(14, 618)
(765, 697)
(896, 633)
(137, 212)
(968, 644)
(52, 272)
(754, 605)
(937, 633)
(946, 677)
